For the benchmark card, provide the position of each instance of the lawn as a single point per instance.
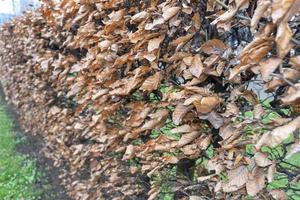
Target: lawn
(18, 173)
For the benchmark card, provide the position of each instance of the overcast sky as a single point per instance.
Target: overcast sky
(6, 7)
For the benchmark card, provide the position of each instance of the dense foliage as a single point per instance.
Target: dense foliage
(160, 97)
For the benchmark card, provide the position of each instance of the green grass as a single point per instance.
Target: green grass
(18, 173)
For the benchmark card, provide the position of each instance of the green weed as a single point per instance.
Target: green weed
(18, 173)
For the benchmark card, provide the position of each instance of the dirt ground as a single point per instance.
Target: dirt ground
(49, 182)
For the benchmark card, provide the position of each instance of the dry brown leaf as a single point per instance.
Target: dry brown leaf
(168, 13)
(271, 172)
(280, 8)
(295, 61)
(181, 40)
(293, 97)
(258, 111)
(215, 166)
(231, 110)
(139, 16)
(179, 112)
(227, 131)
(279, 134)
(182, 129)
(191, 99)
(240, 4)
(237, 70)
(256, 181)
(138, 115)
(225, 16)
(261, 8)
(157, 120)
(237, 179)
(151, 83)
(279, 195)
(214, 118)
(197, 67)
(206, 104)
(268, 66)
(295, 148)
(261, 159)
(155, 43)
(188, 138)
(283, 38)
(204, 178)
(204, 143)
(195, 198)
(129, 153)
(214, 46)
(156, 22)
(153, 193)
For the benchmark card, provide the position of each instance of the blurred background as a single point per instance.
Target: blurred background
(11, 8)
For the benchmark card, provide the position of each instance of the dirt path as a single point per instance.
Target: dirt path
(49, 182)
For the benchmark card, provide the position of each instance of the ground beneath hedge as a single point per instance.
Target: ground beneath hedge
(31, 146)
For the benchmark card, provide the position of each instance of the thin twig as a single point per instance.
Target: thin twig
(221, 3)
(286, 80)
(294, 40)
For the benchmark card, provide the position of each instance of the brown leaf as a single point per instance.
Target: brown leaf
(280, 8)
(268, 66)
(295, 148)
(279, 195)
(155, 43)
(204, 143)
(181, 40)
(261, 8)
(138, 115)
(188, 138)
(279, 134)
(156, 23)
(237, 70)
(231, 110)
(206, 104)
(261, 159)
(139, 16)
(214, 118)
(258, 111)
(292, 97)
(129, 153)
(191, 99)
(197, 67)
(240, 4)
(182, 129)
(295, 61)
(204, 178)
(157, 120)
(256, 181)
(237, 179)
(179, 112)
(213, 46)
(168, 13)
(283, 37)
(229, 14)
(228, 131)
(214, 165)
(151, 83)
(271, 172)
